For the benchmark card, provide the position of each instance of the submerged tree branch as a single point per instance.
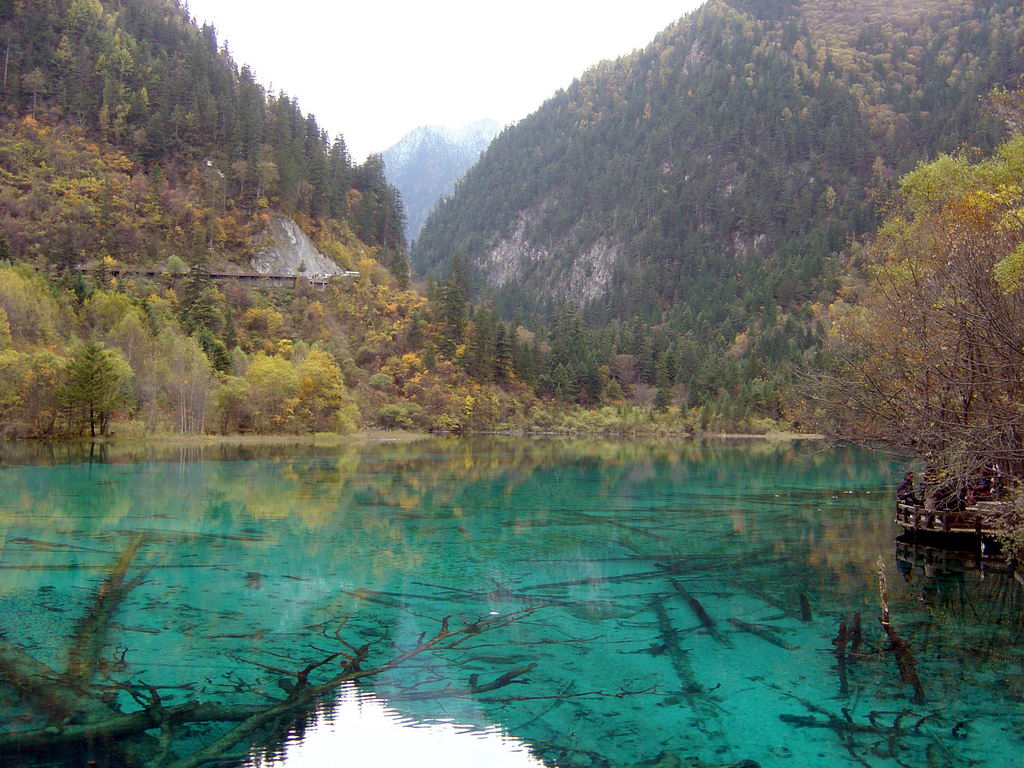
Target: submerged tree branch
(84, 652)
(78, 717)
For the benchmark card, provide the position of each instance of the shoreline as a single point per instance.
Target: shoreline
(769, 436)
(176, 447)
(327, 439)
(316, 438)
(656, 435)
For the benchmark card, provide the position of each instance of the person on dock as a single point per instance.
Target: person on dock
(905, 492)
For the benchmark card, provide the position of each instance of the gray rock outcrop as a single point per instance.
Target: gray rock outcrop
(284, 249)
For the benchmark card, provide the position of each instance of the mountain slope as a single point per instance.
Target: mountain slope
(140, 78)
(427, 162)
(708, 180)
(141, 170)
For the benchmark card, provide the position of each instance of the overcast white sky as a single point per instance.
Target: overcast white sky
(376, 69)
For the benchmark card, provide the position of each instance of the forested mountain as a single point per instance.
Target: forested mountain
(140, 167)
(141, 77)
(427, 162)
(130, 138)
(706, 184)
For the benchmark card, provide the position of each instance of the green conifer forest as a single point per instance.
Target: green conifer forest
(696, 199)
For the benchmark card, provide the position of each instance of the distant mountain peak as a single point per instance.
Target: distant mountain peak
(427, 162)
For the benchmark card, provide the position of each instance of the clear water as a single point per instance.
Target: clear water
(682, 603)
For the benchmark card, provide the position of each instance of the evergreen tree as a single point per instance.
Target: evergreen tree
(502, 355)
(414, 334)
(95, 386)
(563, 383)
(662, 399)
(215, 350)
(397, 263)
(199, 306)
(451, 300)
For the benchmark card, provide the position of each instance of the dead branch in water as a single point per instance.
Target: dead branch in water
(840, 643)
(44, 689)
(670, 639)
(765, 633)
(700, 612)
(84, 651)
(904, 655)
(855, 635)
(884, 739)
(80, 714)
(81, 718)
(805, 609)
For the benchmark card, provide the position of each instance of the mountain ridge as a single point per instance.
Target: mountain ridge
(735, 146)
(427, 162)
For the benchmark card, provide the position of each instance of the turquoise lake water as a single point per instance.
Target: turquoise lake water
(680, 603)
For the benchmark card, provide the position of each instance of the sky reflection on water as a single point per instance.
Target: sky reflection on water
(364, 731)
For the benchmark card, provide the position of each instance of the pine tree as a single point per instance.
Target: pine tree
(95, 385)
(199, 310)
(451, 308)
(397, 263)
(564, 383)
(214, 349)
(414, 334)
(662, 399)
(339, 179)
(502, 354)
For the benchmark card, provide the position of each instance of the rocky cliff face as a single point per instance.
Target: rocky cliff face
(517, 260)
(284, 249)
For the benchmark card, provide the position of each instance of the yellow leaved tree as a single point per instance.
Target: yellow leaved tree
(931, 357)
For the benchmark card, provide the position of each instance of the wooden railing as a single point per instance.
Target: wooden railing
(244, 277)
(980, 519)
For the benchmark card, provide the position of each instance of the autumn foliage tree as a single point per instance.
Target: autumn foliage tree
(931, 358)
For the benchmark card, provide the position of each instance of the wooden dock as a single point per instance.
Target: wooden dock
(980, 519)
